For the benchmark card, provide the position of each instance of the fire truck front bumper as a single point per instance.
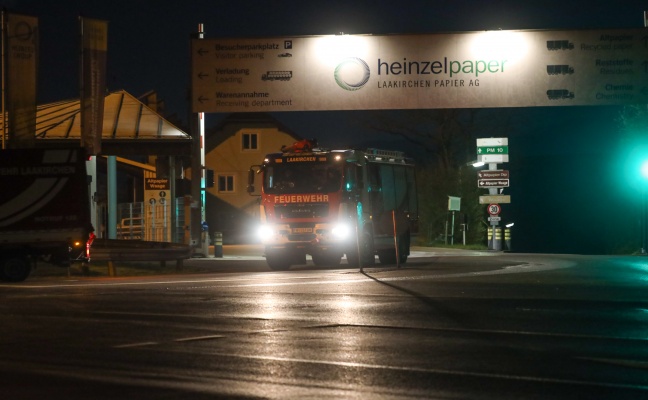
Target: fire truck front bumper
(318, 237)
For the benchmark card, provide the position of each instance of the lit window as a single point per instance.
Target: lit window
(250, 141)
(225, 183)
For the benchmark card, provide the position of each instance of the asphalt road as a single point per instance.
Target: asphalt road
(474, 325)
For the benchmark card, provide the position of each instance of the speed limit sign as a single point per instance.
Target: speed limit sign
(494, 209)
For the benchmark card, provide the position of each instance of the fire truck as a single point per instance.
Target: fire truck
(331, 203)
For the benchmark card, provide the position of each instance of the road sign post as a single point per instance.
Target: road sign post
(493, 151)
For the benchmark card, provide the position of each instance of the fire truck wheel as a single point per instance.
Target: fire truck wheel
(277, 262)
(388, 256)
(326, 259)
(15, 269)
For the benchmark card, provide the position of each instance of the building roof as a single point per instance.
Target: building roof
(129, 127)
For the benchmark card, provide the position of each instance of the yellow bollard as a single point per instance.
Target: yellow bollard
(218, 244)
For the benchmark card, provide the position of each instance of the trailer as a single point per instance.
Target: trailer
(44, 210)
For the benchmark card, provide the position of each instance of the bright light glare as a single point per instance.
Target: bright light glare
(269, 307)
(500, 45)
(332, 49)
(644, 169)
(341, 231)
(264, 232)
(478, 164)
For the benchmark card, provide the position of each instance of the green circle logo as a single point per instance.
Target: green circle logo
(352, 74)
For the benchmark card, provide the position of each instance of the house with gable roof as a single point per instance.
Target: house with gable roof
(239, 141)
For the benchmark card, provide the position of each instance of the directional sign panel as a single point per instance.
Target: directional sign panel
(492, 183)
(495, 198)
(460, 70)
(492, 142)
(492, 150)
(493, 158)
(493, 174)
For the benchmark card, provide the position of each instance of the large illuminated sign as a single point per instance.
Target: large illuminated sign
(462, 70)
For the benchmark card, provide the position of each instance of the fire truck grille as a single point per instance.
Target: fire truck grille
(301, 238)
(314, 210)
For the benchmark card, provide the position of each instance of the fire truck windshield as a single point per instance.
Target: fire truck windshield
(302, 177)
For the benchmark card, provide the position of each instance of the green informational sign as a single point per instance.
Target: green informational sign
(492, 150)
(454, 203)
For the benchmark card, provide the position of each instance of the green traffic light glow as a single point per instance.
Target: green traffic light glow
(644, 169)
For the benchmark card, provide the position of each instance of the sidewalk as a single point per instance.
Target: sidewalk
(255, 252)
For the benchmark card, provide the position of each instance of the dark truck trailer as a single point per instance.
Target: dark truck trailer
(44, 209)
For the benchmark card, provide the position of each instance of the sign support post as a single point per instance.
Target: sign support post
(492, 151)
(197, 176)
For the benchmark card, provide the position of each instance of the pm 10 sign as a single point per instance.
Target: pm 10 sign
(492, 150)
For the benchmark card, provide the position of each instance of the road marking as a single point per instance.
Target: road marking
(348, 364)
(521, 268)
(197, 338)
(621, 362)
(140, 344)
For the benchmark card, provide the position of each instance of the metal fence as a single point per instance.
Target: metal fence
(151, 222)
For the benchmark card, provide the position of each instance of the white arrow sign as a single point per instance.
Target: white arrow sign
(486, 142)
(493, 158)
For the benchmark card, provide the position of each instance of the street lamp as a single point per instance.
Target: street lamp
(644, 169)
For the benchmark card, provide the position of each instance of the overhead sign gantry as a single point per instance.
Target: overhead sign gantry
(455, 70)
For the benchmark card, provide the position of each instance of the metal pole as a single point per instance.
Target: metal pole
(112, 197)
(81, 83)
(358, 238)
(644, 220)
(446, 230)
(644, 212)
(4, 82)
(196, 214)
(172, 212)
(464, 234)
(452, 229)
(396, 239)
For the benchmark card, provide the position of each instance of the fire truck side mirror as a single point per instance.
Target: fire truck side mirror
(250, 185)
(352, 178)
(255, 169)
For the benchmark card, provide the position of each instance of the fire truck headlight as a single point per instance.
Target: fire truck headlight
(265, 232)
(341, 231)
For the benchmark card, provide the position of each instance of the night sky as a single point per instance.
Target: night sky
(568, 170)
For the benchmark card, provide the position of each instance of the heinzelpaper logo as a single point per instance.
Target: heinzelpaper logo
(352, 73)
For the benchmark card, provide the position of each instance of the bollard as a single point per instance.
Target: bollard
(497, 241)
(507, 238)
(490, 238)
(218, 244)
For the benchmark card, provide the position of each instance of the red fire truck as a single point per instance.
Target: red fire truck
(330, 203)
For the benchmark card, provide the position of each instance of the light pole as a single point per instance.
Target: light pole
(644, 207)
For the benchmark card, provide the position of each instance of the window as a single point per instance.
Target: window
(225, 183)
(250, 141)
